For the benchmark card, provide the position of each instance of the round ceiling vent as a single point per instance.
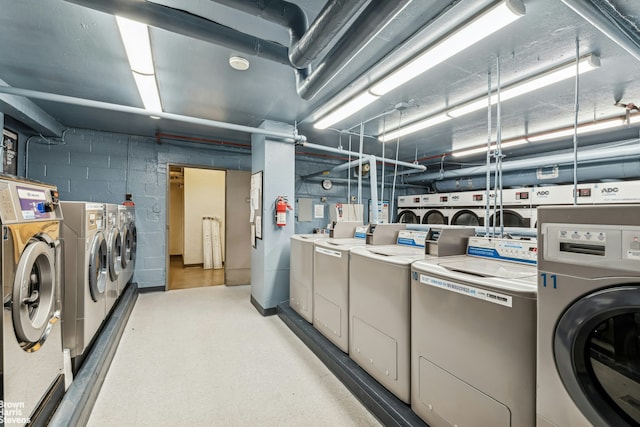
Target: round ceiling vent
(239, 63)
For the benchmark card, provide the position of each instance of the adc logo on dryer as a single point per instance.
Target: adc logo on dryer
(542, 193)
(609, 190)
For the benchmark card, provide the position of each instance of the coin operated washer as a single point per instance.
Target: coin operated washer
(32, 357)
(85, 261)
(114, 254)
(379, 301)
(130, 246)
(589, 316)
(331, 280)
(301, 262)
(473, 336)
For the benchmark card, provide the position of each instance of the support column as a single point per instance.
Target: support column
(2, 145)
(270, 257)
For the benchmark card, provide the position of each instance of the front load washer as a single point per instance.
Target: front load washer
(85, 262)
(473, 336)
(32, 358)
(331, 280)
(379, 278)
(128, 232)
(114, 254)
(589, 316)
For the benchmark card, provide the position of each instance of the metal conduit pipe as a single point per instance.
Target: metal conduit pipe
(594, 172)
(190, 25)
(142, 112)
(366, 27)
(346, 181)
(603, 19)
(534, 162)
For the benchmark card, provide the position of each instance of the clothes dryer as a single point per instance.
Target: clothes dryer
(409, 210)
(473, 336)
(589, 316)
(435, 208)
(32, 358)
(467, 208)
(517, 209)
(331, 281)
(617, 192)
(114, 254)
(85, 262)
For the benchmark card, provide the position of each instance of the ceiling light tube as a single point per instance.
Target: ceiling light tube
(135, 37)
(566, 71)
(483, 25)
(582, 129)
(148, 89)
(346, 110)
(483, 149)
(406, 130)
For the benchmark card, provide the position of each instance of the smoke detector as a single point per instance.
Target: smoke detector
(239, 63)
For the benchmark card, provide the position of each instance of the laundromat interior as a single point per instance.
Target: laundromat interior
(362, 212)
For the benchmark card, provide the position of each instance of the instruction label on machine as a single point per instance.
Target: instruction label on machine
(329, 252)
(467, 290)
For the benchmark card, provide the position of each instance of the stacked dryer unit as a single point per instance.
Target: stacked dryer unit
(517, 208)
(85, 261)
(114, 254)
(32, 358)
(435, 208)
(559, 195)
(467, 208)
(618, 192)
(409, 210)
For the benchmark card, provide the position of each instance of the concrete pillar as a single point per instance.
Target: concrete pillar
(270, 257)
(2, 145)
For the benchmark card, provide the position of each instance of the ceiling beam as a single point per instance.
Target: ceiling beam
(25, 111)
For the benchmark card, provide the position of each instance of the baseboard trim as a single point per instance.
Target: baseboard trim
(264, 311)
(148, 289)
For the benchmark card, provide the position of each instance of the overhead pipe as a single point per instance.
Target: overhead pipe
(365, 28)
(602, 17)
(346, 181)
(190, 25)
(623, 169)
(534, 162)
(142, 112)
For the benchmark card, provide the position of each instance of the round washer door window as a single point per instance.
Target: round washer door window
(115, 254)
(134, 242)
(434, 217)
(511, 219)
(597, 352)
(407, 217)
(98, 267)
(125, 252)
(33, 297)
(465, 217)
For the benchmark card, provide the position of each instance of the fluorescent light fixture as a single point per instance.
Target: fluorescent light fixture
(548, 78)
(135, 37)
(483, 149)
(485, 24)
(345, 110)
(423, 124)
(148, 90)
(583, 128)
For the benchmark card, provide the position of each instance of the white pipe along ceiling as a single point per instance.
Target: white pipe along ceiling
(306, 60)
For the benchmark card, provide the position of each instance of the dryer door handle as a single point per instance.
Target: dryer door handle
(32, 300)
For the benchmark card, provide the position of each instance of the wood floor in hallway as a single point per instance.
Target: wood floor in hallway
(181, 277)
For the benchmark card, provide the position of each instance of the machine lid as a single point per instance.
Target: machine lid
(34, 294)
(341, 243)
(98, 266)
(434, 217)
(396, 250)
(310, 237)
(407, 217)
(597, 353)
(484, 268)
(392, 254)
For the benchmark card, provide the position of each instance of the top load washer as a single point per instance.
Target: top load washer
(32, 361)
(467, 208)
(85, 261)
(435, 207)
(473, 336)
(409, 210)
(589, 316)
(331, 281)
(301, 262)
(114, 254)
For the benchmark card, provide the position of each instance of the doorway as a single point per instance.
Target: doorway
(206, 228)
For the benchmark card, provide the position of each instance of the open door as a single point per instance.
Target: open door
(238, 238)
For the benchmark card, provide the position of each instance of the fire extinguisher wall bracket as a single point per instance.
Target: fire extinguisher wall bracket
(282, 205)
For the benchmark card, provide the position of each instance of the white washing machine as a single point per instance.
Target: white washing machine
(517, 208)
(331, 281)
(128, 232)
(409, 210)
(85, 262)
(589, 316)
(435, 208)
(32, 361)
(473, 336)
(617, 192)
(114, 254)
(467, 208)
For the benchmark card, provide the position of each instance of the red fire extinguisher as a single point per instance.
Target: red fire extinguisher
(281, 211)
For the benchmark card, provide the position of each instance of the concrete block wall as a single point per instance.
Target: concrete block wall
(102, 167)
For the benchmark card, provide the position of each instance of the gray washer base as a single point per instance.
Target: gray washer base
(385, 406)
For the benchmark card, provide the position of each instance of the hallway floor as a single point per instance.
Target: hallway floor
(206, 357)
(181, 277)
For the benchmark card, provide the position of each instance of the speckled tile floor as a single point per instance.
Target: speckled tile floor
(206, 357)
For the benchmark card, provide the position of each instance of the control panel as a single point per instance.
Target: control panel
(520, 251)
(23, 201)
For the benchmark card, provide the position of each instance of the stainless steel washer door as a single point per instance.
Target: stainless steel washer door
(115, 254)
(33, 299)
(98, 267)
(126, 247)
(597, 353)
